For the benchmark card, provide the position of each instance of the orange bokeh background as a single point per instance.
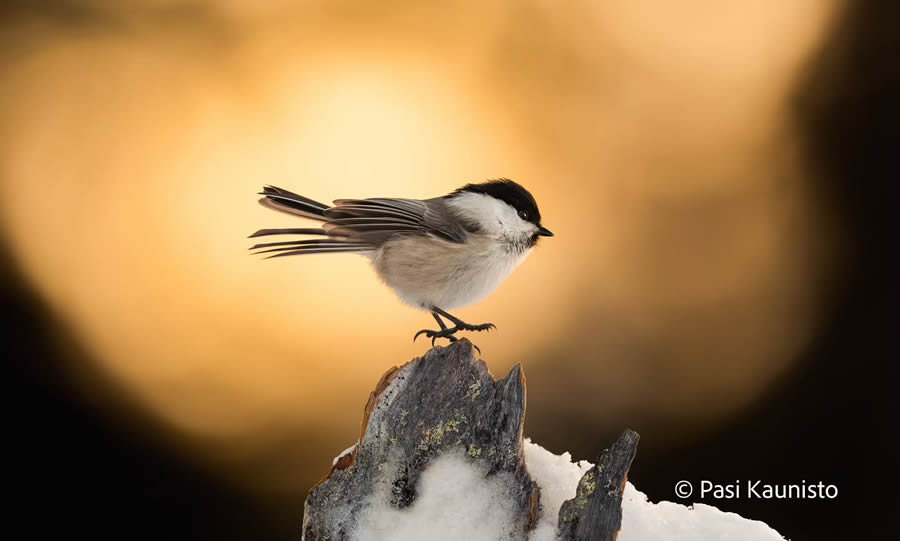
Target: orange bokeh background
(693, 244)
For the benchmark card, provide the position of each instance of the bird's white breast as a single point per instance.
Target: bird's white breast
(429, 272)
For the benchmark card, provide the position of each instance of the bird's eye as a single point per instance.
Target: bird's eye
(523, 214)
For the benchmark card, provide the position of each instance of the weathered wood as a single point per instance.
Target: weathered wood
(435, 404)
(595, 513)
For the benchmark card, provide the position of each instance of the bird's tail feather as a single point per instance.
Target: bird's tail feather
(284, 201)
(289, 231)
(304, 247)
(310, 246)
(328, 242)
(312, 243)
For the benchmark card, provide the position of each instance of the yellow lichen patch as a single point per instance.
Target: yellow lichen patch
(474, 390)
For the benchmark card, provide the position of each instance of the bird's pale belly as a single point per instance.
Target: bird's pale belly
(443, 274)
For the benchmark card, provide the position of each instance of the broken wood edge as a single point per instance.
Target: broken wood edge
(595, 513)
(345, 461)
(624, 449)
(534, 502)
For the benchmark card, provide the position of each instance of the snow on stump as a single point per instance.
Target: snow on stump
(441, 458)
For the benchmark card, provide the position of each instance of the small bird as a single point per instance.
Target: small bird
(436, 254)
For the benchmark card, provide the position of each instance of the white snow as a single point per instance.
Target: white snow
(558, 477)
(667, 521)
(455, 501)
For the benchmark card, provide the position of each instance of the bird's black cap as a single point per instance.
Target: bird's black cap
(509, 192)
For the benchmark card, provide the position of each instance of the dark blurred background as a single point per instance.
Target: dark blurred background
(722, 179)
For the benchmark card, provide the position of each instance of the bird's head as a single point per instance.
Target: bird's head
(501, 208)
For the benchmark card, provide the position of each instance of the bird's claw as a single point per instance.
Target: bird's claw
(434, 335)
(450, 331)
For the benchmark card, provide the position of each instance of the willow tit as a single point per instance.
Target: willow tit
(436, 254)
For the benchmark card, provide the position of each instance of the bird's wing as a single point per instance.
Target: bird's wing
(377, 220)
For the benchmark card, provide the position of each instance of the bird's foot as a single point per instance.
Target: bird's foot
(463, 326)
(449, 333)
(434, 335)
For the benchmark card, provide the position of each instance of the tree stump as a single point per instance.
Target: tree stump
(444, 402)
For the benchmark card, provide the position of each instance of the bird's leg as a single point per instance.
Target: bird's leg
(461, 325)
(443, 326)
(443, 333)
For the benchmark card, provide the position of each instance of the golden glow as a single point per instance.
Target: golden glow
(658, 142)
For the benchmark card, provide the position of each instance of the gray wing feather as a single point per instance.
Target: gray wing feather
(377, 220)
(411, 207)
(360, 225)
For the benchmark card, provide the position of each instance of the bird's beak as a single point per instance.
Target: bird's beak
(544, 232)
